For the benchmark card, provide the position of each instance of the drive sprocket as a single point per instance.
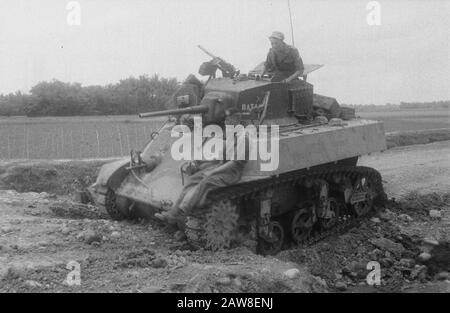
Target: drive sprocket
(216, 228)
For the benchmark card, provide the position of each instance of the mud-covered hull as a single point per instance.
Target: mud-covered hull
(299, 148)
(307, 147)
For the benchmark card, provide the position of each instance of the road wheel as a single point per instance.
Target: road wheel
(272, 244)
(303, 222)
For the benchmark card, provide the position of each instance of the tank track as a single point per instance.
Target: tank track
(106, 201)
(203, 237)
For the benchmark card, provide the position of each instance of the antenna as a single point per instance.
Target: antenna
(290, 18)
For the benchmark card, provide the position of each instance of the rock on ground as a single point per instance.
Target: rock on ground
(388, 245)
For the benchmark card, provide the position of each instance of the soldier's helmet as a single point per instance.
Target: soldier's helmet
(277, 35)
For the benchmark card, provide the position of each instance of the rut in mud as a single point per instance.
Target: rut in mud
(140, 256)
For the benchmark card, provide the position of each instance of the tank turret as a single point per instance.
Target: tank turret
(255, 100)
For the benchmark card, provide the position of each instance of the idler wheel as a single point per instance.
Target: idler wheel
(272, 244)
(333, 215)
(303, 222)
(114, 211)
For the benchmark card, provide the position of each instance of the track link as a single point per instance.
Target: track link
(199, 236)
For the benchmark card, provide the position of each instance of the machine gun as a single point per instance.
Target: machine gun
(228, 70)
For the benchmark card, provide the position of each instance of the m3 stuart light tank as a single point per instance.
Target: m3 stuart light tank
(316, 189)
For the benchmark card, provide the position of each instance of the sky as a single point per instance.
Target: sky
(405, 58)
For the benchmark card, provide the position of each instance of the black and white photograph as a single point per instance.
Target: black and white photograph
(226, 153)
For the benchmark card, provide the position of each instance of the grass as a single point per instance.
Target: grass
(55, 177)
(408, 138)
(73, 137)
(114, 136)
(410, 120)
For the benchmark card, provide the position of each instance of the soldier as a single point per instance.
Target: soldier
(283, 61)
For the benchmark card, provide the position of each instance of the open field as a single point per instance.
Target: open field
(111, 136)
(408, 120)
(73, 137)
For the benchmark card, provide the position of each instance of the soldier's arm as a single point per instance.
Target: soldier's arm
(268, 64)
(298, 66)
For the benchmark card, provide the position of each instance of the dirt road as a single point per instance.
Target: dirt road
(421, 168)
(44, 238)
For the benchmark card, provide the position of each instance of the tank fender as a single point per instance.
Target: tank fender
(112, 174)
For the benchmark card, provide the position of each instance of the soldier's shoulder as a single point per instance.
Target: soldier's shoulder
(292, 48)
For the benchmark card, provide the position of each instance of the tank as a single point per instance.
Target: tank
(316, 189)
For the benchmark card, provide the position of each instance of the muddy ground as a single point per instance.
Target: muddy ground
(45, 235)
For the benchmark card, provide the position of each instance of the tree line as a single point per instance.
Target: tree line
(56, 98)
(128, 96)
(437, 105)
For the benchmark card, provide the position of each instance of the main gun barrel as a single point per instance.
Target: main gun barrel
(189, 110)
